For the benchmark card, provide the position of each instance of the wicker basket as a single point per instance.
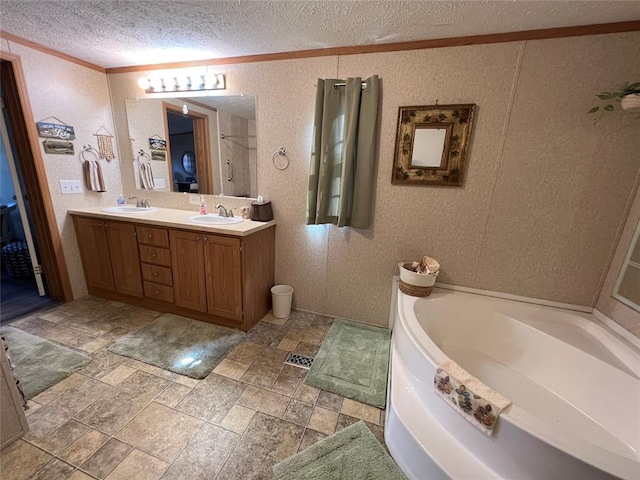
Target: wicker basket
(415, 291)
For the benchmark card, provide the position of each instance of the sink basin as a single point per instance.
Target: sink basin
(214, 219)
(129, 209)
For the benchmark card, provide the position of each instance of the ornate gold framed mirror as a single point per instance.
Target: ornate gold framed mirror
(432, 143)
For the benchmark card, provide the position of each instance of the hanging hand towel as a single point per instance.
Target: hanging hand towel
(146, 176)
(472, 399)
(93, 176)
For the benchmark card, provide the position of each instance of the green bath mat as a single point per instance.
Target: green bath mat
(354, 362)
(39, 363)
(352, 453)
(180, 345)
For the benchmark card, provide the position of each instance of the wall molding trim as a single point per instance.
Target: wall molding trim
(540, 34)
(561, 32)
(50, 51)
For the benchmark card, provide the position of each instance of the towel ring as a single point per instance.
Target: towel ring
(88, 148)
(281, 152)
(142, 153)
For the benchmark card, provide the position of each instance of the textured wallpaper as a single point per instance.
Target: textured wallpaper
(545, 194)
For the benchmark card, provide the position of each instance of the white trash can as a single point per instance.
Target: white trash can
(281, 296)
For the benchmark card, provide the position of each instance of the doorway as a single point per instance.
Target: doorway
(30, 211)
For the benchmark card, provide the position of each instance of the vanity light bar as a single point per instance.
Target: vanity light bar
(191, 83)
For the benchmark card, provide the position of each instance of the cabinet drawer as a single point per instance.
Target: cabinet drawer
(158, 292)
(155, 255)
(158, 237)
(156, 274)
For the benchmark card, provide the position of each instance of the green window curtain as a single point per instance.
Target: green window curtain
(343, 152)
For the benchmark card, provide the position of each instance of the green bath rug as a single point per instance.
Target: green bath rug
(39, 363)
(353, 362)
(352, 453)
(180, 345)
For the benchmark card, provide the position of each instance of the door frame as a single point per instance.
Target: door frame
(31, 163)
(202, 143)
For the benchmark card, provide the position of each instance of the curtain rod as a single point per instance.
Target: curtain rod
(336, 85)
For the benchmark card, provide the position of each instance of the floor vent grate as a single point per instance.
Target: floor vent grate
(298, 360)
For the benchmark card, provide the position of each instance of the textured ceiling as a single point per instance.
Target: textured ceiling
(114, 33)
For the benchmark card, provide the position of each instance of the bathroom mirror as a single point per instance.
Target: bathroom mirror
(206, 137)
(432, 144)
(627, 288)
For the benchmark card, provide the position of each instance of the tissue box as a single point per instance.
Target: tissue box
(261, 212)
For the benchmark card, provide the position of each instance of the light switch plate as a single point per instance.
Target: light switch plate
(194, 199)
(69, 187)
(158, 183)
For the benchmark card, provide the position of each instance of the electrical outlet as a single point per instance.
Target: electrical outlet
(158, 183)
(194, 199)
(68, 187)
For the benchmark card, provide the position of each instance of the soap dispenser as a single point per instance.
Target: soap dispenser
(203, 206)
(122, 200)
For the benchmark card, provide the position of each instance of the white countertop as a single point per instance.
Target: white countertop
(171, 217)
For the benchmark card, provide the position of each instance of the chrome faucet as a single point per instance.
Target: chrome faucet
(141, 203)
(223, 212)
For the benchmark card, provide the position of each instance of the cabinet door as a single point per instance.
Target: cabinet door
(187, 261)
(224, 278)
(94, 252)
(125, 262)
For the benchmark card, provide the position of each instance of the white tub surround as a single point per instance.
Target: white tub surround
(573, 383)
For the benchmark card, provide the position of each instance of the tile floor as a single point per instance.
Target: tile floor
(118, 418)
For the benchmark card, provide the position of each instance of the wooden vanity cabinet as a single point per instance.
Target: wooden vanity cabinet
(109, 252)
(221, 279)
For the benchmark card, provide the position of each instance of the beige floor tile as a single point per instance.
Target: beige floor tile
(307, 349)
(94, 345)
(143, 367)
(361, 411)
(264, 401)
(59, 388)
(266, 334)
(306, 335)
(288, 345)
(111, 413)
(377, 430)
(323, 420)
(306, 393)
(172, 395)
(78, 475)
(102, 363)
(205, 455)
(108, 457)
(20, 460)
(272, 357)
(284, 385)
(298, 412)
(231, 369)
(118, 375)
(55, 469)
(271, 318)
(309, 438)
(187, 382)
(54, 315)
(84, 447)
(212, 398)
(139, 466)
(63, 437)
(266, 441)
(160, 430)
(238, 418)
(31, 407)
(295, 372)
(245, 352)
(330, 401)
(261, 375)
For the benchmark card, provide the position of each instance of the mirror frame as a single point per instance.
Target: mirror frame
(628, 263)
(458, 119)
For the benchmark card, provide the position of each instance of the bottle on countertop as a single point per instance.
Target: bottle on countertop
(122, 200)
(203, 206)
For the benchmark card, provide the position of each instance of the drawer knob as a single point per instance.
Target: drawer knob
(154, 255)
(157, 292)
(155, 274)
(197, 239)
(150, 236)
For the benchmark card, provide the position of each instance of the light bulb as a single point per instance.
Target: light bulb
(144, 83)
